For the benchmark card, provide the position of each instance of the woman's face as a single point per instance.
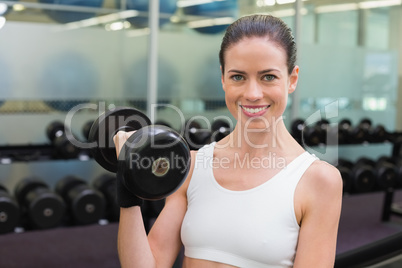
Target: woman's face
(256, 82)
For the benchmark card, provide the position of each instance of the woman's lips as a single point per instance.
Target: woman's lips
(254, 110)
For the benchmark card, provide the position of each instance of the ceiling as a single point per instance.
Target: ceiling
(35, 11)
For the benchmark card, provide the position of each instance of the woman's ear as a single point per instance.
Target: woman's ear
(293, 78)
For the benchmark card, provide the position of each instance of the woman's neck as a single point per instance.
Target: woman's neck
(260, 142)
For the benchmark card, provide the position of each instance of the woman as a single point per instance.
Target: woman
(256, 198)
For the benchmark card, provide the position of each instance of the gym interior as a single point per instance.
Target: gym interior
(63, 63)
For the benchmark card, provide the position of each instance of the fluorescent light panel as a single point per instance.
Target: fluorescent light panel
(3, 8)
(210, 22)
(355, 6)
(2, 22)
(188, 3)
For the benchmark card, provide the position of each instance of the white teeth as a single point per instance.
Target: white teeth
(254, 110)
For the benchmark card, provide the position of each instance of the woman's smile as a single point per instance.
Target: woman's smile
(254, 110)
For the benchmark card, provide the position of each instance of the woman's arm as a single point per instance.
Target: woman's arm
(163, 243)
(320, 192)
(161, 247)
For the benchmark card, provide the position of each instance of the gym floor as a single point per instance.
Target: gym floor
(95, 245)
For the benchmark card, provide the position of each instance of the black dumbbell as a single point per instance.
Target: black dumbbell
(195, 135)
(106, 184)
(384, 172)
(346, 174)
(56, 132)
(220, 129)
(391, 169)
(343, 129)
(154, 161)
(41, 207)
(317, 134)
(363, 178)
(379, 134)
(348, 134)
(86, 128)
(398, 164)
(311, 135)
(85, 205)
(297, 129)
(361, 133)
(9, 211)
(163, 123)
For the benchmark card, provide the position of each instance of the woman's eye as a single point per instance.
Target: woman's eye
(269, 77)
(237, 77)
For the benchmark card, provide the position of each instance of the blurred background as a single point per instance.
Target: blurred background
(57, 54)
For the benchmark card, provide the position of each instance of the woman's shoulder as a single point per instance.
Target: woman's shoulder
(322, 177)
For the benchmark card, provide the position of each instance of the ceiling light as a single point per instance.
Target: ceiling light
(100, 20)
(117, 26)
(2, 22)
(269, 2)
(281, 2)
(336, 8)
(138, 32)
(188, 3)
(3, 8)
(376, 4)
(210, 22)
(18, 7)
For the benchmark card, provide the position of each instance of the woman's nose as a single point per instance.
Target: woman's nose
(253, 92)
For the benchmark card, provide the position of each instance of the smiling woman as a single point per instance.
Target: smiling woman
(264, 201)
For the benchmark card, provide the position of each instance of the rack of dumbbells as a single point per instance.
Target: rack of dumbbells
(33, 205)
(366, 174)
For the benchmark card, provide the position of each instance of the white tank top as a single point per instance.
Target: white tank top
(251, 228)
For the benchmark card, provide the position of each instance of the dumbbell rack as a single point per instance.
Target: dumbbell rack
(34, 152)
(395, 139)
(389, 207)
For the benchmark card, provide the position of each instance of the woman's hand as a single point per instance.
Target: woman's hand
(124, 197)
(120, 138)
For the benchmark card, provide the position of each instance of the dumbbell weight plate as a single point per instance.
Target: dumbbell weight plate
(87, 204)
(46, 209)
(87, 128)
(364, 179)
(154, 162)
(346, 178)
(64, 185)
(220, 129)
(55, 129)
(106, 126)
(25, 186)
(106, 184)
(9, 212)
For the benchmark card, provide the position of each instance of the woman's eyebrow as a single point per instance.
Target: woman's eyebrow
(259, 72)
(268, 71)
(236, 71)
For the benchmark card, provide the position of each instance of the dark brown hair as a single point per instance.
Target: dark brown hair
(260, 26)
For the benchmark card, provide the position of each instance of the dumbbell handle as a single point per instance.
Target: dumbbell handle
(160, 166)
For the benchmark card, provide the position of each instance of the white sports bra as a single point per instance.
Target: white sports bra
(251, 228)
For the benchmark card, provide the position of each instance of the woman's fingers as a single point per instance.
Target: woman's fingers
(120, 138)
